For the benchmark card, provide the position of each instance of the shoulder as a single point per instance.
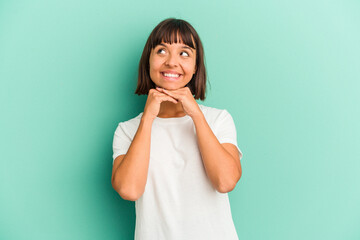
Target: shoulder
(134, 120)
(213, 114)
(216, 117)
(131, 125)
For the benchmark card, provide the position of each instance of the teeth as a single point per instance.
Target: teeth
(171, 75)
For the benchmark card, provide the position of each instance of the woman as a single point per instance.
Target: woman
(177, 159)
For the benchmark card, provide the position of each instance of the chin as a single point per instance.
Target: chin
(170, 86)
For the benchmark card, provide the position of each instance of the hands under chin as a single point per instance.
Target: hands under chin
(184, 95)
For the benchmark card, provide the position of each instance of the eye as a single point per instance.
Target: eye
(186, 53)
(161, 49)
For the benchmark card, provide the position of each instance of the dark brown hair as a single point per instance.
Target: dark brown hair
(167, 31)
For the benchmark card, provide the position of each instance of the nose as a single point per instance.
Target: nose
(171, 60)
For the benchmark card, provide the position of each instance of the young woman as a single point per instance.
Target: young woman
(177, 159)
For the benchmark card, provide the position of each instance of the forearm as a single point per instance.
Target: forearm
(219, 165)
(131, 175)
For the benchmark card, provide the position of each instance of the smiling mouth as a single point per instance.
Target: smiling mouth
(171, 75)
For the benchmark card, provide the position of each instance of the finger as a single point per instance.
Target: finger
(163, 96)
(171, 98)
(165, 92)
(171, 93)
(168, 98)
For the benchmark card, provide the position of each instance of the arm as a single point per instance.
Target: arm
(130, 170)
(221, 161)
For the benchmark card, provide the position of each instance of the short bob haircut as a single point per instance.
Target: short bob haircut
(167, 31)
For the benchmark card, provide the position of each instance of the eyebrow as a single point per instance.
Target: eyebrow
(181, 47)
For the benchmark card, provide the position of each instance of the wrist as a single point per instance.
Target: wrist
(198, 117)
(147, 118)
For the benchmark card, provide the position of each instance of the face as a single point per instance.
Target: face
(172, 65)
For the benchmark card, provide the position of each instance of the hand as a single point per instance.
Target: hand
(153, 102)
(186, 98)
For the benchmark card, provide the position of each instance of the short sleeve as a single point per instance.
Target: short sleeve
(226, 130)
(121, 141)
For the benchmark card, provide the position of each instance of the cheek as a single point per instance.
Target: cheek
(190, 68)
(154, 64)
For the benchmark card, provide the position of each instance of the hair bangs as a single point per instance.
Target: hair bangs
(173, 32)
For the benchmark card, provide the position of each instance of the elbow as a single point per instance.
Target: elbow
(228, 187)
(128, 196)
(124, 193)
(225, 188)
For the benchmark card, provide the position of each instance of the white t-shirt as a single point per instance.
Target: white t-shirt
(179, 201)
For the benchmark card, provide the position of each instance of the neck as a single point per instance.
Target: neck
(169, 109)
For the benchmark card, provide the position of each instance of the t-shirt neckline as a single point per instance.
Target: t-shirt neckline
(172, 119)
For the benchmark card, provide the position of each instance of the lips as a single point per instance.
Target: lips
(172, 72)
(171, 75)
